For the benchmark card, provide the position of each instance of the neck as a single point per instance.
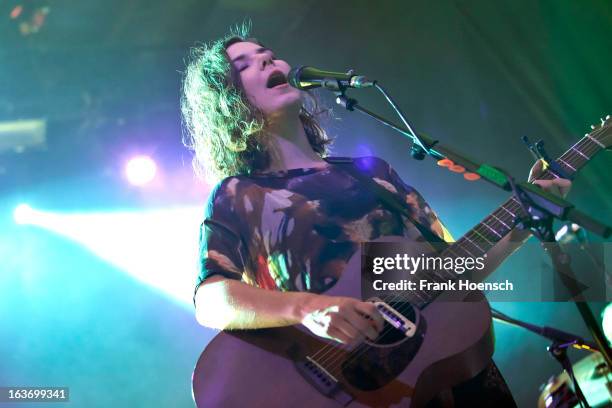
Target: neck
(289, 147)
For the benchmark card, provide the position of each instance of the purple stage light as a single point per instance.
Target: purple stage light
(140, 170)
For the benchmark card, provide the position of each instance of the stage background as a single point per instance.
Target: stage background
(105, 78)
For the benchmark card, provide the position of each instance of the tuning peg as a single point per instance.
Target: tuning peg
(593, 127)
(607, 117)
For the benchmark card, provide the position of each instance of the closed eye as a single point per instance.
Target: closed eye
(259, 51)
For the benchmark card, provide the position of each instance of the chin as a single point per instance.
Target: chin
(288, 105)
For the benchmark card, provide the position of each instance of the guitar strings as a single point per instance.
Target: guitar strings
(364, 347)
(547, 175)
(570, 155)
(357, 352)
(423, 298)
(361, 349)
(421, 295)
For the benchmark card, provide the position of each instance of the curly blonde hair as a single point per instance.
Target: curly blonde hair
(225, 131)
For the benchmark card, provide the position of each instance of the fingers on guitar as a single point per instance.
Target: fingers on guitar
(369, 311)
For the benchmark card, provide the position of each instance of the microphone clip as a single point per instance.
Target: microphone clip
(355, 81)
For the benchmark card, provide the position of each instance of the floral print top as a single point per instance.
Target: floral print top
(295, 230)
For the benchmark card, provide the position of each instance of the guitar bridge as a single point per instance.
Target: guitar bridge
(395, 318)
(323, 381)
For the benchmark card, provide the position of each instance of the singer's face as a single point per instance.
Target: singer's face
(264, 79)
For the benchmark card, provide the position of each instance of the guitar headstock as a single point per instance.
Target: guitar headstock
(602, 132)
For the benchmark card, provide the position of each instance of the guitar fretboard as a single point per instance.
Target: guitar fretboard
(484, 236)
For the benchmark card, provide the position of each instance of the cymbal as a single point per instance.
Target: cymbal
(594, 378)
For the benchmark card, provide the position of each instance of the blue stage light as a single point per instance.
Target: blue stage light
(23, 214)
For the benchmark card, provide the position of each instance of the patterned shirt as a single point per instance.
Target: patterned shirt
(295, 230)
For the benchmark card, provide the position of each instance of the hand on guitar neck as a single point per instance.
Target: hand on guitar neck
(517, 237)
(558, 186)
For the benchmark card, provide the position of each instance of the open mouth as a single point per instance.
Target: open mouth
(276, 78)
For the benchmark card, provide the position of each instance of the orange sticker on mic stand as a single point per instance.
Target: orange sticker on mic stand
(445, 163)
(471, 176)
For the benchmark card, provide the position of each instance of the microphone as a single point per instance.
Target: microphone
(308, 77)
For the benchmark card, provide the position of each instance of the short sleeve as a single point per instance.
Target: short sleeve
(221, 247)
(387, 177)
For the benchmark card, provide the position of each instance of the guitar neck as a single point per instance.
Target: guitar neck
(484, 236)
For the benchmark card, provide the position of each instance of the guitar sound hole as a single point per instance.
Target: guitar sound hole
(390, 335)
(369, 368)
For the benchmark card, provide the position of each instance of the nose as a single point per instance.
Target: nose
(265, 59)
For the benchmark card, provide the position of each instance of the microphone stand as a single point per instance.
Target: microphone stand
(561, 341)
(423, 144)
(539, 207)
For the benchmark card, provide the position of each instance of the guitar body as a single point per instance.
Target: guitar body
(270, 367)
